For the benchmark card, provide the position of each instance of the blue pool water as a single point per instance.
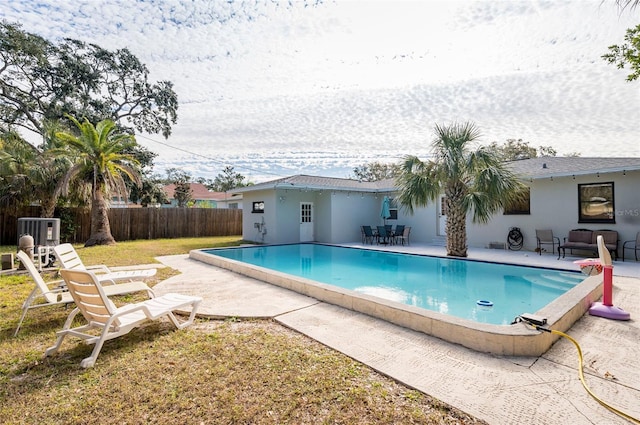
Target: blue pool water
(446, 285)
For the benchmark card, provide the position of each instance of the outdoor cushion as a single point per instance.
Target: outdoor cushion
(580, 236)
(610, 237)
(577, 245)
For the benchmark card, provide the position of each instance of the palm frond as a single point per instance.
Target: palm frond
(417, 182)
(472, 178)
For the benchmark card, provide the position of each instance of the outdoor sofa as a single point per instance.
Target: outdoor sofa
(587, 240)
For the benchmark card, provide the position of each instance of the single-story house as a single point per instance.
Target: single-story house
(565, 193)
(204, 198)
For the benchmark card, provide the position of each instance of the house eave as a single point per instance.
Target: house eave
(579, 173)
(316, 188)
(333, 185)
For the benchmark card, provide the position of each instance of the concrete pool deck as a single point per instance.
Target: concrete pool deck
(498, 389)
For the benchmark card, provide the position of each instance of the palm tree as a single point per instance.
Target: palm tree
(29, 174)
(16, 156)
(101, 164)
(472, 181)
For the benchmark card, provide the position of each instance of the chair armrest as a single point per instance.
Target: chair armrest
(54, 282)
(99, 267)
(105, 281)
(557, 238)
(129, 308)
(56, 291)
(626, 242)
(61, 286)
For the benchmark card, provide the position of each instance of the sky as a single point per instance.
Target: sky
(304, 87)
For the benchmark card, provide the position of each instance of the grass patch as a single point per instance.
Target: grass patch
(227, 371)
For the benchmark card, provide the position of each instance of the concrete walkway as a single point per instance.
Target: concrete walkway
(500, 390)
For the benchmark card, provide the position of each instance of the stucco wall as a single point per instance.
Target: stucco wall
(288, 222)
(554, 205)
(338, 215)
(266, 219)
(424, 226)
(352, 210)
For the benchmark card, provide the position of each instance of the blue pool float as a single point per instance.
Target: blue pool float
(484, 303)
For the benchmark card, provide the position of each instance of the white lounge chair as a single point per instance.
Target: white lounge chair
(101, 314)
(69, 259)
(58, 295)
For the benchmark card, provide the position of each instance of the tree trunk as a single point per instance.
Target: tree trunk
(48, 208)
(456, 226)
(48, 202)
(100, 227)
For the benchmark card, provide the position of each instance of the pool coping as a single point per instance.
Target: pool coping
(509, 340)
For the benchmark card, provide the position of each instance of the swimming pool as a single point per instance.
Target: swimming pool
(449, 286)
(434, 295)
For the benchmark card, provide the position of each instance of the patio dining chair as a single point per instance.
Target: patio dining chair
(398, 232)
(53, 293)
(105, 321)
(545, 237)
(367, 234)
(383, 237)
(634, 245)
(404, 237)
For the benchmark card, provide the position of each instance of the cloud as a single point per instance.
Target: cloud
(299, 88)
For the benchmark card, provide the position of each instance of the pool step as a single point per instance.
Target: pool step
(555, 282)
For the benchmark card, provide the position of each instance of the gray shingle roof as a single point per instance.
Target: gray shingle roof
(534, 168)
(557, 166)
(320, 183)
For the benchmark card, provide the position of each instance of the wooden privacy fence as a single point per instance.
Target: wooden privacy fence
(133, 223)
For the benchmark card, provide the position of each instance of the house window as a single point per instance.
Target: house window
(258, 207)
(520, 207)
(393, 209)
(233, 206)
(595, 202)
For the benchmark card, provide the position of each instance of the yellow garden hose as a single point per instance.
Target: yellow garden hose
(584, 383)
(581, 373)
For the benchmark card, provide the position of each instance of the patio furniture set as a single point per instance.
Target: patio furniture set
(386, 235)
(585, 240)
